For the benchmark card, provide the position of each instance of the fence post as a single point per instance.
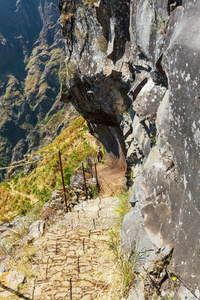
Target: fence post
(85, 186)
(97, 183)
(94, 224)
(70, 288)
(78, 266)
(63, 183)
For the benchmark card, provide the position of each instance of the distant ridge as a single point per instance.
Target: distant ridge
(31, 58)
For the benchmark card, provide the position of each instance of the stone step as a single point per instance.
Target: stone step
(74, 252)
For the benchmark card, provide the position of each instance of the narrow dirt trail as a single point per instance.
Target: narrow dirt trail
(73, 260)
(111, 180)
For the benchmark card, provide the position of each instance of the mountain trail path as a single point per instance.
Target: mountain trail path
(73, 260)
(111, 180)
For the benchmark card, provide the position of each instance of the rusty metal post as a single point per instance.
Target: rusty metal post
(85, 186)
(78, 266)
(97, 183)
(63, 183)
(70, 287)
(94, 224)
(34, 288)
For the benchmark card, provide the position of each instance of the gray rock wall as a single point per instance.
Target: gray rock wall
(136, 81)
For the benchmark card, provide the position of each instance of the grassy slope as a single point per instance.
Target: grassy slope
(21, 191)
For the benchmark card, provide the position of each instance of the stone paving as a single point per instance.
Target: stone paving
(71, 262)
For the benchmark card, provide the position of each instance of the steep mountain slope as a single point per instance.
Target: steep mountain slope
(132, 72)
(35, 180)
(31, 57)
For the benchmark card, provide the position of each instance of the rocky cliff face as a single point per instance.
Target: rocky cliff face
(31, 56)
(132, 72)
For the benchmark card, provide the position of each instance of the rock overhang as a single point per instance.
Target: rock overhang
(164, 128)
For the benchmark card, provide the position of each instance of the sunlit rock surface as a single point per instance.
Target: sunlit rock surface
(132, 71)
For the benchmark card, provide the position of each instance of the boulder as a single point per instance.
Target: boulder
(77, 181)
(36, 229)
(56, 201)
(133, 234)
(11, 279)
(148, 100)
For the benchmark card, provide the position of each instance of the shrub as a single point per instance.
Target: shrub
(68, 171)
(94, 191)
(162, 24)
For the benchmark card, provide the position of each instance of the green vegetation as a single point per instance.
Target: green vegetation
(12, 91)
(3, 139)
(102, 43)
(89, 2)
(71, 70)
(153, 139)
(126, 263)
(67, 73)
(42, 73)
(162, 24)
(62, 80)
(94, 191)
(123, 207)
(80, 35)
(22, 191)
(55, 119)
(118, 102)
